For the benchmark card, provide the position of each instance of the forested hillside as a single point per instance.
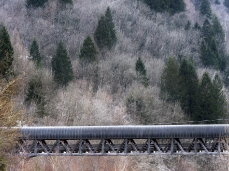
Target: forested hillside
(116, 62)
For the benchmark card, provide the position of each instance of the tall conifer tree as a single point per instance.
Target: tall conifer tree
(35, 53)
(226, 3)
(88, 51)
(35, 3)
(66, 1)
(62, 66)
(105, 34)
(35, 94)
(171, 6)
(111, 28)
(217, 2)
(207, 105)
(211, 55)
(205, 8)
(219, 98)
(170, 80)
(101, 33)
(207, 31)
(6, 53)
(217, 28)
(188, 88)
(141, 72)
(176, 6)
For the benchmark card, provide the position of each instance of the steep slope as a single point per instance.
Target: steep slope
(140, 33)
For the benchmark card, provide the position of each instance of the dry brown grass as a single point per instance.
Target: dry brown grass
(76, 164)
(8, 116)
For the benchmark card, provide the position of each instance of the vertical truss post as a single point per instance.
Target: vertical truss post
(219, 141)
(126, 144)
(172, 146)
(103, 145)
(80, 146)
(58, 146)
(195, 145)
(35, 147)
(148, 145)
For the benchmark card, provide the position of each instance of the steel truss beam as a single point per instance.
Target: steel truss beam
(122, 147)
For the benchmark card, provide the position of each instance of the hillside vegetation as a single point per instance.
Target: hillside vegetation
(117, 62)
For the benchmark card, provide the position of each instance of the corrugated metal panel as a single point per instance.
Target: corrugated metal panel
(118, 132)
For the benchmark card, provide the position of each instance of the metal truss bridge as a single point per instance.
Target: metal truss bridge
(122, 140)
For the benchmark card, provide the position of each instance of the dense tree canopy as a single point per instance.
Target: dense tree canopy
(88, 51)
(205, 8)
(6, 52)
(207, 31)
(35, 94)
(170, 80)
(171, 6)
(217, 2)
(35, 3)
(212, 100)
(188, 87)
(35, 53)
(226, 3)
(62, 66)
(212, 50)
(219, 98)
(204, 101)
(141, 72)
(217, 28)
(66, 1)
(207, 105)
(105, 34)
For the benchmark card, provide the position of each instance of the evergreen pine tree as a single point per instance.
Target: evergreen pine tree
(206, 99)
(101, 33)
(219, 98)
(226, 78)
(217, 2)
(196, 26)
(226, 3)
(171, 6)
(35, 3)
(215, 53)
(205, 54)
(88, 51)
(35, 93)
(35, 53)
(222, 62)
(207, 31)
(213, 38)
(111, 28)
(6, 53)
(219, 37)
(140, 67)
(217, 28)
(105, 34)
(170, 80)
(61, 66)
(176, 6)
(157, 5)
(66, 1)
(188, 25)
(205, 8)
(141, 72)
(188, 88)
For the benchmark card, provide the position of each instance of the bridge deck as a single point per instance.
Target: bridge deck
(123, 140)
